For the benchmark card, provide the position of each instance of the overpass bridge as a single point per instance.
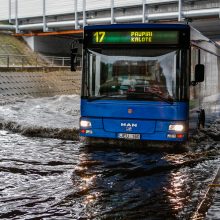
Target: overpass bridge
(49, 15)
(34, 18)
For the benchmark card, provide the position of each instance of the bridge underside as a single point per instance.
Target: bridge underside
(209, 27)
(46, 20)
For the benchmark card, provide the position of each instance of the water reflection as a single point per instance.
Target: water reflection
(119, 184)
(178, 193)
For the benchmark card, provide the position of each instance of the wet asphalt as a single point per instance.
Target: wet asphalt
(46, 178)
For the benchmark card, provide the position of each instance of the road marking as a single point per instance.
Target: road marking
(207, 200)
(214, 185)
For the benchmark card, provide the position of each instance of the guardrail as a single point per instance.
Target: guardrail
(54, 61)
(11, 60)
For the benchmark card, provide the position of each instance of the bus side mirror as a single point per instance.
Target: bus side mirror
(199, 73)
(73, 59)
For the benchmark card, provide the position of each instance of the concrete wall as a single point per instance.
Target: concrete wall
(39, 84)
(30, 42)
(50, 45)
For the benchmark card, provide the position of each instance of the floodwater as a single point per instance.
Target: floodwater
(46, 178)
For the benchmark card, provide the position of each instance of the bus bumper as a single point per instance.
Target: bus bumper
(156, 136)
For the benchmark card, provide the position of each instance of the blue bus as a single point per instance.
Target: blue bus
(147, 82)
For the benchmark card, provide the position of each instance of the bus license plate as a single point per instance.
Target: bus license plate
(129, 136)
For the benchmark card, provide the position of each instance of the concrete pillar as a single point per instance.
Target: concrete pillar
(180, 11)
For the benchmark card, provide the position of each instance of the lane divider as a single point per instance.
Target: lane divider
(214, 185)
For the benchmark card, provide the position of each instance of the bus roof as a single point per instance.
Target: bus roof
(137, 25)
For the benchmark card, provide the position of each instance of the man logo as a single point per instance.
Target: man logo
(132, 125)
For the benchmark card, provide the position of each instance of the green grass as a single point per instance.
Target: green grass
(11, 45)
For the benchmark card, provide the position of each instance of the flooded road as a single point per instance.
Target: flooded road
(48, 178)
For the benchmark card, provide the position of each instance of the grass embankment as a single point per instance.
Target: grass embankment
(17, 47)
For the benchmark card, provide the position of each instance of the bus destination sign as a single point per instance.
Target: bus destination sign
(135, 37)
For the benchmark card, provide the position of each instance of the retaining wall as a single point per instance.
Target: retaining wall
(39, 83)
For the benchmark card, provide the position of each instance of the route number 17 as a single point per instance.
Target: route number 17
(99, 36)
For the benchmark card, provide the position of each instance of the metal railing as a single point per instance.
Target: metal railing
(11, 60)
(57, 61)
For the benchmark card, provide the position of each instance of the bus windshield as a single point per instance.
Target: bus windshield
(131, 74)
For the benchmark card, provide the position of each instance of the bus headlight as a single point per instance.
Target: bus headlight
(176, 127)
(85, 123)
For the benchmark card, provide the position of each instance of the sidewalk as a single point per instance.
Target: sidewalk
(214, 211)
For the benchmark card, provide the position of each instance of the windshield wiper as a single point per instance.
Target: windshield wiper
(170, 101)
(94, 98)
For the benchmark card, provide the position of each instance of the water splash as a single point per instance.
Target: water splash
(55, 117)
